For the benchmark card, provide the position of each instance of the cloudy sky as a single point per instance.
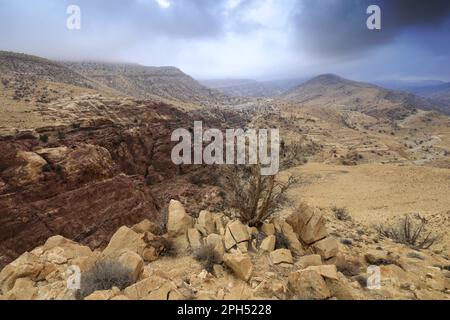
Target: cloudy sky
(259, 39)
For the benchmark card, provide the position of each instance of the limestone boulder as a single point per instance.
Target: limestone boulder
(206, 223)
(178, 221)
(327, 248)
(281, 256)
(309, 260)
(195, 238)
(326, 271)
(308, 285)
(27, 265)
(308, 224)
(241, 265)
(268, 244)
(125, 239)
(132, 261)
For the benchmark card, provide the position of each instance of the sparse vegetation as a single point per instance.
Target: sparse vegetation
(105, 275)
(208, 257)
(168, 248)
(348, 268)
(43, 138)
(341, 214)
(282, 242)
(252, 196)
(410, 230)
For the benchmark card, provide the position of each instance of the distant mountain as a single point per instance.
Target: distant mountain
(148, 82)
(252, 88)
(440, 93)
(435, 90)
(31, 67)
(407, 85)
(334, 91)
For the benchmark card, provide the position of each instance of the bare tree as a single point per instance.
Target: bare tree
(254, 197)
(410, 230)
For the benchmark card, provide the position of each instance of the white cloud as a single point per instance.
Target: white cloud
(164, 4)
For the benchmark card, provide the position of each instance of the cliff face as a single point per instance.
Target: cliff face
(86, 178)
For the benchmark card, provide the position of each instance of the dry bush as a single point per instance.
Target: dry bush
(168, 248)
(282, 242)
(208, 256)
(348, 268)
(410, 230)
(252, 196)
(341, 214)
(105, 275)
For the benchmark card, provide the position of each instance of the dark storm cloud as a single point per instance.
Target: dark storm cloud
(338, 27)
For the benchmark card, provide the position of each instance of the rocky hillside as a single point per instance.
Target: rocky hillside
(31, 67)
(106, 163)
(215, 257)
(336, 92)
(440, 93)
(252, 88)
(143, 82)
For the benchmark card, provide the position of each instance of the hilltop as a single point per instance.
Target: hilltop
(334, 91)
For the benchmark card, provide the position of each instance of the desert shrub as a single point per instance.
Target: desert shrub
(348, 268)
(208, 256)
(347, 242)
(105, 275)
(282, 242)
(61, 135)
(362, 280)
(341, 214)
(76, 125)
(43, 138)
(410, 230)
(253, 197)
(168, 248)
(46, 168)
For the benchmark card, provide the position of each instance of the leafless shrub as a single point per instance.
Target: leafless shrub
(348, 268)
(105, 275)
(254, 197)
(341, 214)
(208, 256)
(168, 248)
(410, 230)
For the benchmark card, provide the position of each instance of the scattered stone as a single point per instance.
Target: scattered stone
(308, 285)
(241, 265)
(195, 238)
(125, 239)
(308, 224)
(309, 261)
(268, 244)
(326, 271)
(206, 223)
(327, 248)
(238, 231)
(281, 256)
(178, 221)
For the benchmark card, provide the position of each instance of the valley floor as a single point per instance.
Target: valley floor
(375, 193)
